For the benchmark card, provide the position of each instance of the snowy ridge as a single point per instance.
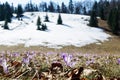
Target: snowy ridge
(74, 31)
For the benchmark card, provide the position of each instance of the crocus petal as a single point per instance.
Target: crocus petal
(25, 60)
(4, 64)
(118, 61)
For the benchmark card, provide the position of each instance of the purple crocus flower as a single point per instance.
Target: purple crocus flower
(26, 59)
(16, 54)
(90, 61)
(3, 63)
(31, 54)
(68, 59)
(118, 60)
(50, 53)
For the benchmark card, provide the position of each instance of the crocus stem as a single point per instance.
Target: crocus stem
(36, 73)
(23, 73)
(17, 71)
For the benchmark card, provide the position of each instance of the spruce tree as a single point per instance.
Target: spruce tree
(8, 12)
(46, 18)
(36, 8)
(58, 8)
(51, 7)
(12, 8)
(2, 12)
(95, 7)
(84, 10)
(7, 17)
(29, 7)
(77, 10)
(45, 6)
(102, 16)
(59, 21)
(6, 25)
(119, 15)
(19, 11)
(5, 12)
(113, 20)
(71, 7)
(93, 20)
(44, 27)
(63, 8)
(38, 23)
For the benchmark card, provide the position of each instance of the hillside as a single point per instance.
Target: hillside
(74, 31)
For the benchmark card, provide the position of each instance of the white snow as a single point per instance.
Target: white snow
(74, 31)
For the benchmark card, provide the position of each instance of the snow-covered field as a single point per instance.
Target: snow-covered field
(74, 31)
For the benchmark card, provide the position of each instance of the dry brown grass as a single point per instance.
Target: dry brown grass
(112, 46)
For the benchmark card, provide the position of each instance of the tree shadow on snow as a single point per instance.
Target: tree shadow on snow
(26, 17)
(67, 25)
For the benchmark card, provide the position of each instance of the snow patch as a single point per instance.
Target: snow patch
(74, 31)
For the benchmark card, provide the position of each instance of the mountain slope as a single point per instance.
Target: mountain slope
(74, 31)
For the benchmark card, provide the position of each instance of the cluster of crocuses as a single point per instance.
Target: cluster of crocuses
(69, 59)
(5, 57)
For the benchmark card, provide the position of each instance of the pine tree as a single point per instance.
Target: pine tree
(2, 12)
(45, 6)
(106, 9)
(36, 8)
(19, 11)
(71, 7)
(38, 23)
(44, 27)
(58, 8)
(8, 9)
(119, 15)
(8, 12)
(113, 20)
(46, 18)
(6, 25)
(93, 20)
(59, 21)
(102, 16)
(95, 8)
(5, 12)
(77, 10)
(7, 17)
(84, 10)
(29, 7)
(63, 8)
(51, 7)
(12, 8)
(101, 9)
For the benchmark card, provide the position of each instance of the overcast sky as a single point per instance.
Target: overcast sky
(15, 2)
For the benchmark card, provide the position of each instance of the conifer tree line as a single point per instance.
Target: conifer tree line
(73, 8)
(106, 10)
(5, 12)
